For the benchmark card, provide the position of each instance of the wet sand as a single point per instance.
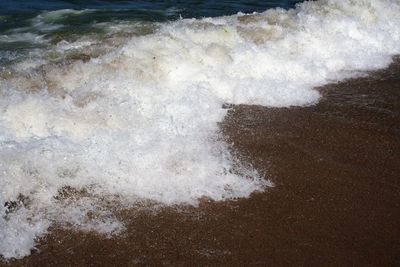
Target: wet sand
(336, 200)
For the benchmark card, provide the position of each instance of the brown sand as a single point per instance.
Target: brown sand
(336, 166)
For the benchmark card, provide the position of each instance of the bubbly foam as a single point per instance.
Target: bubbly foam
(141, 121)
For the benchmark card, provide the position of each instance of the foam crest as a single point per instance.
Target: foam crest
(57, 15)
(141, 121)
(22, 37)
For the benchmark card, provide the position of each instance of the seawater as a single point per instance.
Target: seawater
(114, 102)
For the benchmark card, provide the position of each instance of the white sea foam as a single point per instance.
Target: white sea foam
(56, 15)
(141, 122)
(22, 37)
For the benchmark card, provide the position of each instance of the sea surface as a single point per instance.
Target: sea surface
(109, 105)
(23, 24)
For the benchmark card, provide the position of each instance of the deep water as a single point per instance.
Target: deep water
(18, 13)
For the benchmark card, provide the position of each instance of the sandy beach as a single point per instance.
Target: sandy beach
(335, 166)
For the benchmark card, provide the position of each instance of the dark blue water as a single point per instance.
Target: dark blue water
(150, 9)
(17, 13)
(24, 21)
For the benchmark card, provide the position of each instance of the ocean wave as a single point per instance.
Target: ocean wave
(141, 121)
(22, 37)
(56, 15)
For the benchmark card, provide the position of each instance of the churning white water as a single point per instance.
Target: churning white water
(141, 121)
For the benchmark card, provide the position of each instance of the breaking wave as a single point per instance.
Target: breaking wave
(135, 116)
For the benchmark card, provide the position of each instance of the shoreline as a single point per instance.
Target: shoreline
(336, 200)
